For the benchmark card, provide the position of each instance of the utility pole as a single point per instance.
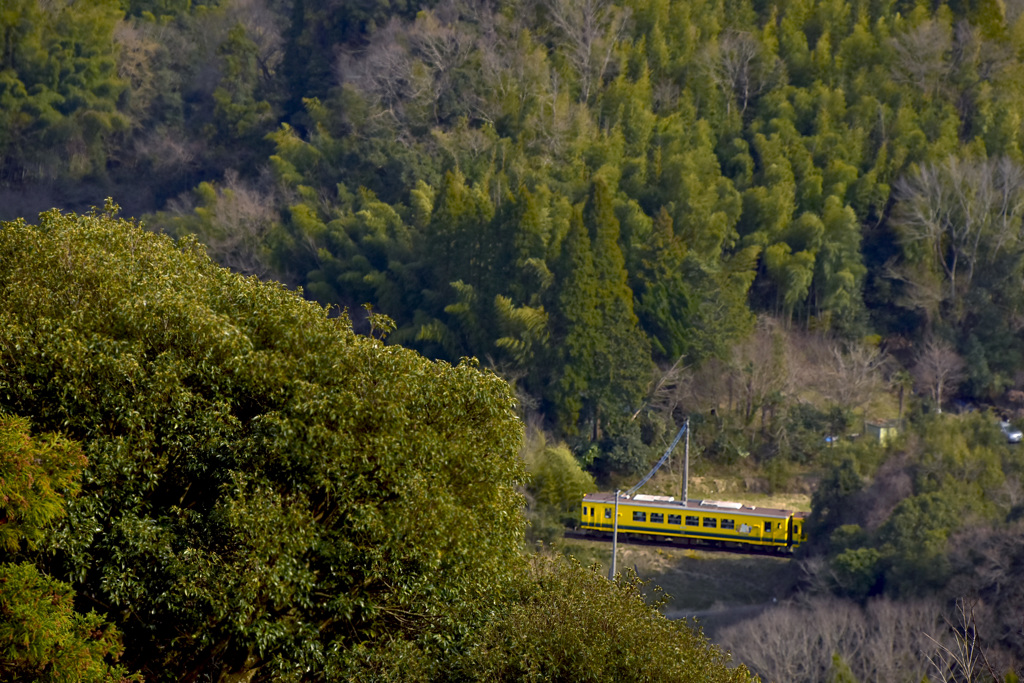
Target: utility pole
(629, 493)
(686, 465)
(615, 537)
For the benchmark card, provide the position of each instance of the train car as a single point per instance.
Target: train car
(711, 522)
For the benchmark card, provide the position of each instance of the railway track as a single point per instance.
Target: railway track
(682, 543)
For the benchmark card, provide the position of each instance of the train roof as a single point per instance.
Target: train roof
(718, 506)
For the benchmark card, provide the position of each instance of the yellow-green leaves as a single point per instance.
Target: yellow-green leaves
(37, 474)
(43, 639)
(263, 482)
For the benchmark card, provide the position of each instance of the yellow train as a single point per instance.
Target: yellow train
(710, 522)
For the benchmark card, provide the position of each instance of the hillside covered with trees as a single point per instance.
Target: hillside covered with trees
(580, 193)
(780, 219)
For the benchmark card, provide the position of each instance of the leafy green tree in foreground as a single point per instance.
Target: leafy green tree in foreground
(572, 624)
(266, 488)
(270, 496)
(42, 638)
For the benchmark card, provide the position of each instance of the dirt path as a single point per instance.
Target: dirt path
(712, 620)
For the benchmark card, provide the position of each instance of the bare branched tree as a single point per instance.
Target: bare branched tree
(1014, 8)
(890, 485)
(961, 657)
(442, 47)
(166, 151)
(263, 27)
(409, 70)
(240, 220)
(922, 56)
(385, 71)
(137, 50)
(956, 218)
(739, 66)
(885, 641)
(938, 369)
(762, 369)
(510, 72)
(899, 643)
(854, 374)
(759, 376)
(591, 28)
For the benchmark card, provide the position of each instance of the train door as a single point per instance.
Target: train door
(774, 532)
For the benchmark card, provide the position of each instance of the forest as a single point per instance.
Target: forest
(205, 477)
(781, 219)
(593, 199)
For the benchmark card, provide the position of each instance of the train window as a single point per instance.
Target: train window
(767, 526)
(692, 520)
(639, 516)
(675, 519)
(657, 518)
(607, 513)
(710, 522)
(728, 523)
(584, 510)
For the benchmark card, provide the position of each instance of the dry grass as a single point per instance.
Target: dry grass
(748, 489)
(697, 582)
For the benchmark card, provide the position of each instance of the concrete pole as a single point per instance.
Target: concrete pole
(686, 466)
(615, 537)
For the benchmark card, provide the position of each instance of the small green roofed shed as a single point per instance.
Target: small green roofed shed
(882, 430)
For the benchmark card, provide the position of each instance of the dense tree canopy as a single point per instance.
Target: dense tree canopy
(42, 637)
(265, 485)
(798, 160)
(269, 494)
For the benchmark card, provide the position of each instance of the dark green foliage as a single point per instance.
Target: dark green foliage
(606, 355)
(239, 114)
(271, 496)
(899, 530)
(914, 539)
(162, 10)
(561, 629)
(623, 450)
(731, 159)
(42, 638)
(831, 504)
(580, 319)
(572, 197)
(806, 425)
(690, 307)
(266, 488)
(857, 572)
